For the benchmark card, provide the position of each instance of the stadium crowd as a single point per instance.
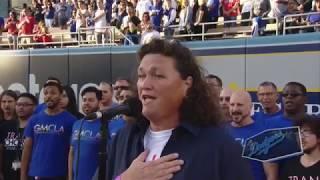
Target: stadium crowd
(142, 20)
(43, 139)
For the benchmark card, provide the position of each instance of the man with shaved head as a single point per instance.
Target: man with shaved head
(225, 103)
(243, 126)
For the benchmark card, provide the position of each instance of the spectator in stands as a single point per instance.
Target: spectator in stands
(142, 7)
(26, 25)
(73, 25)
(279, 8)
(108, 9)
(100, 23)
(243, 127)
(268, 96)
(90, 23)
(68, 102)
(145, 22)
(156, 14)
(149, 34)
(37, 11)
(120, 14)
(12, 29)
(107, 94)
(1, 27)
(315, 5)
(48, 14)
(23, 11)
(294, 98)
(185, 18)
(61, 14)
(215, 83)
(213, 12)
(315, 18)
(42, 35)
(230, 11)
(306, 166)
(260, 8)
(82, 14)
(8, 100)
(201, 17)
(169, 18)
(246, 6)
(131, 25)
(224, 100)
(304, 6)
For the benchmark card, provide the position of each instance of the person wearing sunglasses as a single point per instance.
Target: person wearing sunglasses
(294, 98)
(306, 166)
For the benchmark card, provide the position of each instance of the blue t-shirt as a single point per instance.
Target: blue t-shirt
(1, 22)
(240, 134)
(262, 116)
(51, 140)
(89, 148)
(156, 18)
(40, 107)
(279, 121)
(90, 145)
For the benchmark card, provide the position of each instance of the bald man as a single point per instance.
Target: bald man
(224, 101)
(243, 126)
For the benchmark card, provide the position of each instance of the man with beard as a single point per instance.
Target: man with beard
(268, 96)
(225, 103)
(90, 138)
(11, 137)
(294, 98)
(243, 127)
(306, 166)
(45, 150)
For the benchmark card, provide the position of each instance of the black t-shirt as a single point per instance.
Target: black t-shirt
(293, 169)
(11, 138)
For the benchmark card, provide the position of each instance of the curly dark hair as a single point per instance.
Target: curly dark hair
(200, 106)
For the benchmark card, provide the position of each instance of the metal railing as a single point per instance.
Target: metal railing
(225, 30)
(113, 35)
(289, 18)
(65, 39)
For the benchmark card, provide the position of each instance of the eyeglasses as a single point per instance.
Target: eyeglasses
(24, 104)
(121, 87)
(292, 94)
(306, 133)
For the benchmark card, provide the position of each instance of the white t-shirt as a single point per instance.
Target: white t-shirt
(155, 141)
(143, 6)
(101, 22)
